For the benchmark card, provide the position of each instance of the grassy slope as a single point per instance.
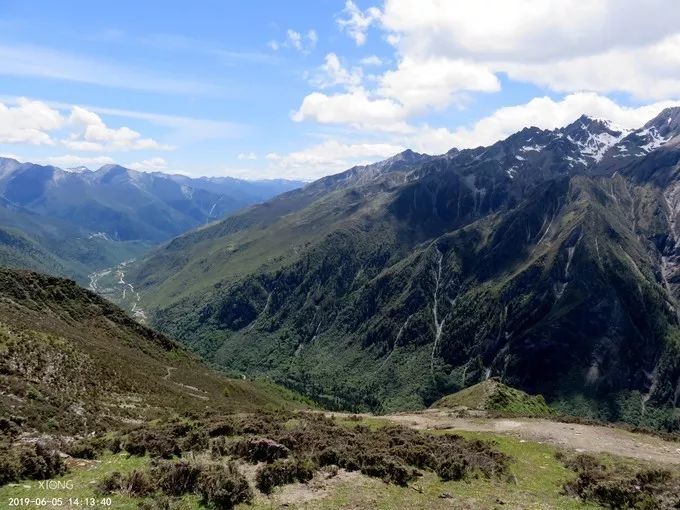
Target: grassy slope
(536, 480)
(492, 395)
(73, 362)
(39, 243)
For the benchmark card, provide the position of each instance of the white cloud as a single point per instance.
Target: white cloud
(28, 122)
(304, 43)
(355, 108)
(413, 88)
(649, 72)
(527, 30)
(566, 45)
(356, 22)
(247, 156)
(92, 134)
(326, 158)
(371, 60)
(435, 82)
(71, 160)
(332, 73)
(155, 164)
(546, 113)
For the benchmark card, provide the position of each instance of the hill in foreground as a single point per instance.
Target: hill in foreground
(71, 362)
(493, 395)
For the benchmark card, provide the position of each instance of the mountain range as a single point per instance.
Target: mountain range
(548, 259)
(72, 222)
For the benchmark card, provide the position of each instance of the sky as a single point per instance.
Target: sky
(302, 89)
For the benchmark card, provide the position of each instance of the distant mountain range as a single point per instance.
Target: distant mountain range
(548, 259)
(71, 222)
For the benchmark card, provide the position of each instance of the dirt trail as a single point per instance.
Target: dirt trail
(581, 438)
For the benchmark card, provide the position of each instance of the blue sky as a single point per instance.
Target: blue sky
(269, 89)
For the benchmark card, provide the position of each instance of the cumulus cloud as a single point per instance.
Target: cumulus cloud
(435, 82)
(355, 108)
(28, 122)
(90, 133)
(34, 122)
(155, 164)
(566, 45)
(542, 112)
(356, 22)
(332, 73)
(526, 30)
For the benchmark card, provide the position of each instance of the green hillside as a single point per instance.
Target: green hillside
(72, 362)
(492, 395)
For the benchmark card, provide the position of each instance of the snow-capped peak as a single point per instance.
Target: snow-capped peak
(77, 170)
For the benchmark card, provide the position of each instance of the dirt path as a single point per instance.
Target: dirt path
(581, 438)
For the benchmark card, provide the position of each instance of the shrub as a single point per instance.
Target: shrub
(622, 487)
(135, 483)
(452, 469)
(256, 449)
(83, 449)
(10, 467)
(282, 472)
(110, 483)
(387, 469)
(40, 463)
(195, 440)
(114, 444)
(176, 478)
(223, 428)
(155, 444)
(223, 486)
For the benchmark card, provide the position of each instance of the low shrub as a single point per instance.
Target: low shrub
(196, 441)
(223, 428)
(141, 442)
(622, 486)
(223, 486)
(283, 472)
(452, 468)
(135, 483)
(387, 469)
(258, 449)
(176, 478)
(83, 449)
(38, 462)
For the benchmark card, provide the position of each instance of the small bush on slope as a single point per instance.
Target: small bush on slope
(623, 487)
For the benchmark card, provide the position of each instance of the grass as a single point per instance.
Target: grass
(492, 395)
(535, 482)
(83, 475)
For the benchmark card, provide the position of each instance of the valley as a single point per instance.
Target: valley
(389, 285)
(110, 283)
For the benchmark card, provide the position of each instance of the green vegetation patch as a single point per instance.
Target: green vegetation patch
(493, 395)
